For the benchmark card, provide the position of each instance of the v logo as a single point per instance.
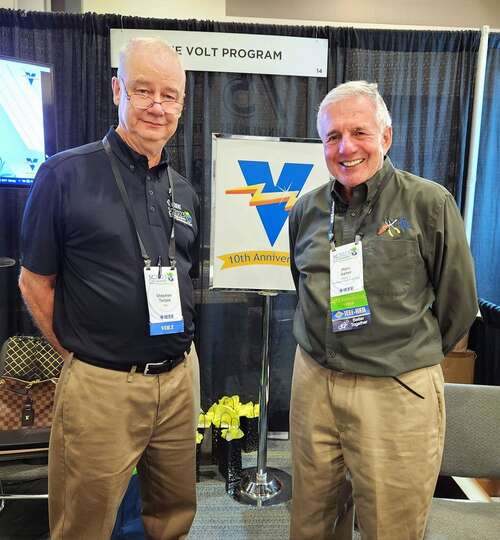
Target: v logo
(273, 201)
(30, 76)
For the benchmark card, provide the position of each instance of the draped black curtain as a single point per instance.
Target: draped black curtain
(426, 78)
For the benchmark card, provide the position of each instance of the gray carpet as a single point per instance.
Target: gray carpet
(219, 516)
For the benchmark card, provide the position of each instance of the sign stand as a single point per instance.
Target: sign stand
(261, 485)
(255, 184)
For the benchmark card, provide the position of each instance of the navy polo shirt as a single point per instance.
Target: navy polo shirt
(76, 226)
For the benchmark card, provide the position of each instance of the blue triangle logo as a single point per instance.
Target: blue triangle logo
(32, 162)
(292, 178)
(30, 76)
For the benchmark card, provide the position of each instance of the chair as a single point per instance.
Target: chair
(23, 484)
(472, 450)
(23, 458)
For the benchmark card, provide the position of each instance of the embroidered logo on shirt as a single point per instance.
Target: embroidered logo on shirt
(393, 227)
(184, 216)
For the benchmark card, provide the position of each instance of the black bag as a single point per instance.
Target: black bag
(229, 463)
(250, 427)
(229, 453)
(201, 431)
(215, 444)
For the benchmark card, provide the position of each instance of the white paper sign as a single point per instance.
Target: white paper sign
(255, 183)
(236, 53)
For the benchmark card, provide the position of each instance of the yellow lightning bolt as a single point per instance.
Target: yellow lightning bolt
(259, 198)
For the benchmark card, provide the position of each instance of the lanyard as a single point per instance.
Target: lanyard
(331, 237)
(331, 230)
(126, 201)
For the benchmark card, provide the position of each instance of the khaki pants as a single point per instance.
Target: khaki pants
(107, 422)
(390, 440)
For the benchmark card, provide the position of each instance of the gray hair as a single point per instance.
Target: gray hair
(154, 45)
(353, 89)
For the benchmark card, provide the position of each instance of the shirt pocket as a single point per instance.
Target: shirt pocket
(389, 266)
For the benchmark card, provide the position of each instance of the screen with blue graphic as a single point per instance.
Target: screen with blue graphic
(27, 127)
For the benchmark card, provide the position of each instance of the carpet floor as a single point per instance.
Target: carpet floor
(219, 516)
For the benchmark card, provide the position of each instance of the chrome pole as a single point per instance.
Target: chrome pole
(262, 485)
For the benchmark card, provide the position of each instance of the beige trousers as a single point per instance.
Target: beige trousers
(389, 439)
(107, 422)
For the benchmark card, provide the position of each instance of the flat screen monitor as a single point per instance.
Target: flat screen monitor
(27, 120)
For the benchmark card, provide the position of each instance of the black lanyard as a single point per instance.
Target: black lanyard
(126, 201)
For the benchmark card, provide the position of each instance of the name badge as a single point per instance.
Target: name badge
(164, 300)
(348, 302)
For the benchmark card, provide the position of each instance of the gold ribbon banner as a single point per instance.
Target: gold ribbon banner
(249, 258)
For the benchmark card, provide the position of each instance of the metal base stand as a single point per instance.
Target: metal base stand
(273, 487)
(262, 486)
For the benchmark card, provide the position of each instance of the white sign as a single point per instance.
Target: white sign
(255, 183)
(236, 53)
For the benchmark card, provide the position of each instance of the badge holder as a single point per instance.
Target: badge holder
(262, 485)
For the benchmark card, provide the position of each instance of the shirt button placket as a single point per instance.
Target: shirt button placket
(150, 194)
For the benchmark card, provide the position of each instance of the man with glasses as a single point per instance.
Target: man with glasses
(110, 247)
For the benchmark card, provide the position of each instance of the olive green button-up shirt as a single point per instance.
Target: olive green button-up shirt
(418, 273)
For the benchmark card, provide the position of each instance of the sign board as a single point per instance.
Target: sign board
(236, 53)
(255, 183)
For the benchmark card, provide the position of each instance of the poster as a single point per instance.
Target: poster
(255, 184)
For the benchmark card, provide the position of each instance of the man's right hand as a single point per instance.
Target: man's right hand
(38, 293)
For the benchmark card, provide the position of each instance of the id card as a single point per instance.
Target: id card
(164, 301)
(348, 302)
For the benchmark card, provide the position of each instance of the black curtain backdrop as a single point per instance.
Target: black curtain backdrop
(426, 78)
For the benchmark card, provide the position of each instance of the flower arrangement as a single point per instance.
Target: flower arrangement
(226, 417)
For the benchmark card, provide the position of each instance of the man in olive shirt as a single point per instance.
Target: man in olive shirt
(386, 287)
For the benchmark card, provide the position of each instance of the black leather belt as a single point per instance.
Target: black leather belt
(151, 368)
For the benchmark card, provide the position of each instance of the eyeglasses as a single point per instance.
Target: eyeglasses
(144, 102)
